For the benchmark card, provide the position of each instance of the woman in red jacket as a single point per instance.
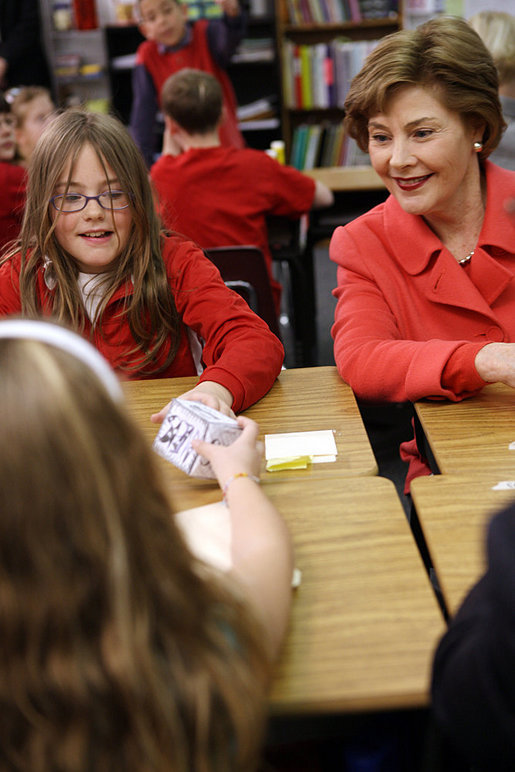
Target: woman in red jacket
(426, 280)
(93, 256)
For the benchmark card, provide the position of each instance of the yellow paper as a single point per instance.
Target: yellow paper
(290, 462)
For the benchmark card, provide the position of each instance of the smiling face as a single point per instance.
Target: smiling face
(163, 21)
(94, 237)
(424, 154)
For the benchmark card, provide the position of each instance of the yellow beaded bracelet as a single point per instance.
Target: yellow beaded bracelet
(234, 477)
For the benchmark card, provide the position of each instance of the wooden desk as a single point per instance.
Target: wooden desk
(472, 435)
(345, 178)
(453, 512)
(301, 399)
(365, 620)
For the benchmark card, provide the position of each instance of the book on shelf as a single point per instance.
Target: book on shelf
(319, 75)
(254, 50)
(257, 110)
(259, 124)
(325, 145)
(340, 11)
(379, 9)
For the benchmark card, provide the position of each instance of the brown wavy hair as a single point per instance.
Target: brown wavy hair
(117, 651)
(444, 53)
(150, 309)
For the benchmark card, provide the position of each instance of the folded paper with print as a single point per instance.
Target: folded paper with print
(185, 421)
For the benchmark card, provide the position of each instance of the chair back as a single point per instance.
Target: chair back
(243, 268)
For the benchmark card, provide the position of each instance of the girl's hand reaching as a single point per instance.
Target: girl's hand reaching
(209, 393)
(242, 457)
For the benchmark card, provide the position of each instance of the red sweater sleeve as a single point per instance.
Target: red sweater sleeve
(239, 350)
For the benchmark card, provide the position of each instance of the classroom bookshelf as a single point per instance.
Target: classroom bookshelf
(322, 45)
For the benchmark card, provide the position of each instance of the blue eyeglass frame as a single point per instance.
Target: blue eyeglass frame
(92, 198)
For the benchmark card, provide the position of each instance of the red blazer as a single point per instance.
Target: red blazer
(239, 350)
(409, 319)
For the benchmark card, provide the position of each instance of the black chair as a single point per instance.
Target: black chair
(244, 270)
(294, 269)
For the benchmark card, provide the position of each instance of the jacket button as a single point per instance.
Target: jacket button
(495, 333)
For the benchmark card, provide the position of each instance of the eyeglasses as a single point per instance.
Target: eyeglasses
(75, 202)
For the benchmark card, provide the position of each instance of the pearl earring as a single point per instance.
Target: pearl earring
(478, 146)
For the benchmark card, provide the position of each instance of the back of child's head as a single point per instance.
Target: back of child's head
(116, 654)
(193, 99)
(497, 31)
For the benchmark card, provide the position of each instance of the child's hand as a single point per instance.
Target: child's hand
(244, 455)
(170, 144)
(212, 394)
(229, 7)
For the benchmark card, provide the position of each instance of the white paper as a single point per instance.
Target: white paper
(504, 485)
(208, 534)
(207, 531)
(320, 445)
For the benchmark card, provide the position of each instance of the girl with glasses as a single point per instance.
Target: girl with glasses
(93, 254)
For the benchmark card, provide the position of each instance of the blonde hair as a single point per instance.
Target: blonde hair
(445, 54)
(117, 652)
(150, 310)
(497, 31)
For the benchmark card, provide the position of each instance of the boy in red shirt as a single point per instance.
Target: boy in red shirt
(173, 43)
(221, 196)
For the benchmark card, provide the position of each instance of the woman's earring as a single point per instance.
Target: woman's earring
(478, 146)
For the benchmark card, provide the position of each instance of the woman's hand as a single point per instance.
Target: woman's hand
(209, 393)
(243, 456)
(495, 363)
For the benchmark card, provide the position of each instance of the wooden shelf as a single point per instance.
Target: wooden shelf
(307, 35)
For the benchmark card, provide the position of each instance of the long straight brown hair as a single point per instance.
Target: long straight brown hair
(150, 307)
(118, 651)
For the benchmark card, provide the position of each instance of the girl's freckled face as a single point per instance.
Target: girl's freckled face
(95, 236)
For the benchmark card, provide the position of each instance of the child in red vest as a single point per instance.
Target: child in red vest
(173, 43)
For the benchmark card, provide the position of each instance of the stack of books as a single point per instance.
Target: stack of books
(258, 115)
(318, 76)
(316, 145)
(339, 11)
(254, 50)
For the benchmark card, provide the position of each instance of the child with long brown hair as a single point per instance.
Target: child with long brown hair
(93, 255)
(119, 649)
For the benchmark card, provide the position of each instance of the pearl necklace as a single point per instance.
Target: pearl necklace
(466, 259)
